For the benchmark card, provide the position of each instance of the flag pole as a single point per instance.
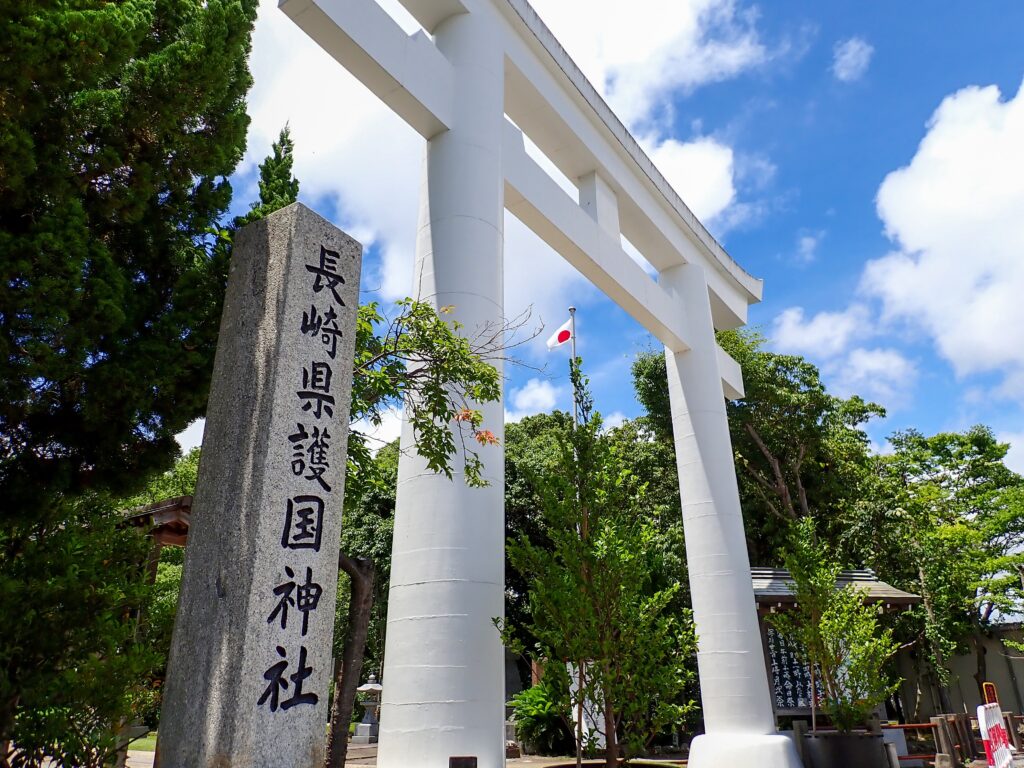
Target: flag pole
(581, 665)
(572, 330)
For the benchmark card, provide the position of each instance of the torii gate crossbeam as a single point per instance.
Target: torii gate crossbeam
(480, 75)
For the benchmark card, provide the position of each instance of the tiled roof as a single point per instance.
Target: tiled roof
(775, 586)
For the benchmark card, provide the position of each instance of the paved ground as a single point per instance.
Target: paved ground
(366, 755)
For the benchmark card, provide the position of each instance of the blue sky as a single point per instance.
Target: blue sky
(868, 166)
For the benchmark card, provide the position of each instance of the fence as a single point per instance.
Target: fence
(956, 735)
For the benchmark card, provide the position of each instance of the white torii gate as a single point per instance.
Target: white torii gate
(482, 74)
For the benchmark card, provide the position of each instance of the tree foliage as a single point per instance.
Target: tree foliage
(278, 187)
(836, 632)
(541, 717)
(944, 517)
(366, 532)
(425, 363)
(532, 452)
(72, 665)
(592, 601)
(799, 451)
(119, 123)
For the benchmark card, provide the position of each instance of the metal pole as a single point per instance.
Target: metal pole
(572, 331)
(581, 664)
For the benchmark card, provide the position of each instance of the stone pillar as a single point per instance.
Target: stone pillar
(738, 717)
(250, 659)
(443, 671)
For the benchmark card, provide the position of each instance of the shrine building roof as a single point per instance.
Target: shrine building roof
(774, 589)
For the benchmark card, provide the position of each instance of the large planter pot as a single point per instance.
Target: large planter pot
(830, 749)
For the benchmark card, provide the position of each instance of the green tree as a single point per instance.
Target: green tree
(71, 663)
(653, 460)
(119, 124)
(367, 526)
(836, 632)
(944, 517)
(532, 452)
(278, 187)
(592, 601)
(799, 451)
(179, 480)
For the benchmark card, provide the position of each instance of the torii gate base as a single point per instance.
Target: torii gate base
(481, 60)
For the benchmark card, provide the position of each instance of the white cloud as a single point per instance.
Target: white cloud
(822, 336)
(389, 429)
(701, 171)
(639, 53)
(955, 277)
(851, 59)
(614, 419)
(755, 171)
(535, 396)
(880, 447)
(880, 374)
(955, 215)
(828, 339)
(807, 246)
(1015, 458)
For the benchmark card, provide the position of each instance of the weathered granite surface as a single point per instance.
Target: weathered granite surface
(249, 668)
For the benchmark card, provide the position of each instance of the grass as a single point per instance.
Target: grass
(146, 744)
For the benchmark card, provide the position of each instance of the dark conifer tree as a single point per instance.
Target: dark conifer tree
(119, 124)
(278, 187)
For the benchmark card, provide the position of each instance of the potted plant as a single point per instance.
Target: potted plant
(846, 651)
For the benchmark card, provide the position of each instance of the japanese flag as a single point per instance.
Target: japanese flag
(561, 336)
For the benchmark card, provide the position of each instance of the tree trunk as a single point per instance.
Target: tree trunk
(611, 744)
(814, 699)
(579, 716)
(8, 709)
(940, 660)
(981, 675)
(348, 670)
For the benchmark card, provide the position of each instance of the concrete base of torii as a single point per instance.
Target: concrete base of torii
(743, 750)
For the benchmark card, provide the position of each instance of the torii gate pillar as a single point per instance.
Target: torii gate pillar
(738, 720)
(444, 682)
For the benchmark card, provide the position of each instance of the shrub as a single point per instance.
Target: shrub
(541, 720)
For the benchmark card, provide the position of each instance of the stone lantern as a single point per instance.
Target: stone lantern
(368, 729)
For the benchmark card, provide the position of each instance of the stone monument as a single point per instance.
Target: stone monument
(250, 658)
